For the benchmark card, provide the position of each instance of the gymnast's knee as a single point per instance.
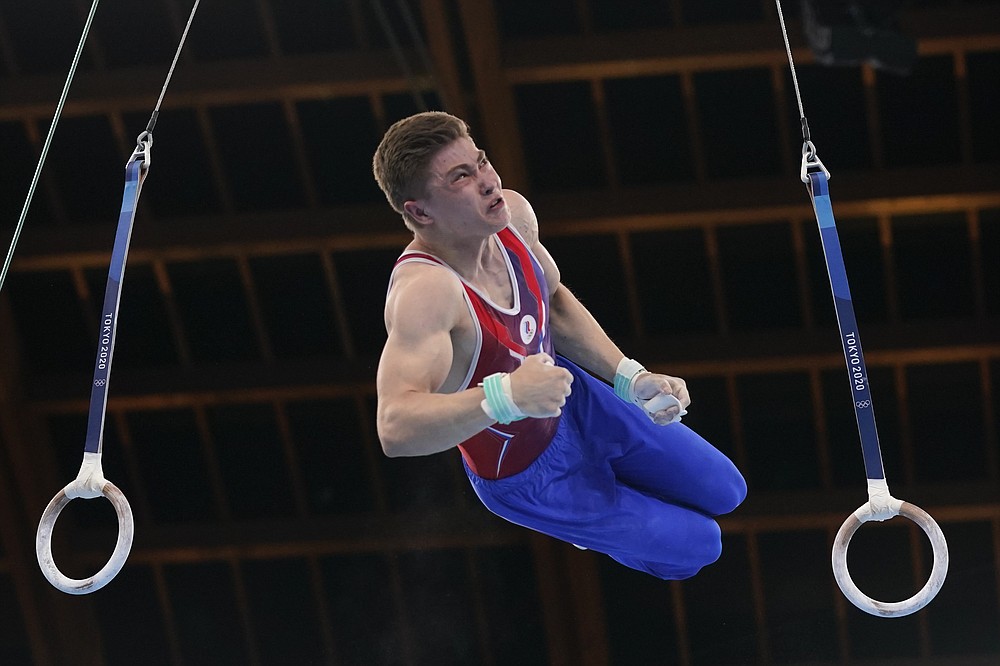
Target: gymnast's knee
(709, 548)
(703, 549)
(729, 492)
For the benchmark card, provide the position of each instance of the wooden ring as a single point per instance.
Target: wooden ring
(881, 608)
(43, 543)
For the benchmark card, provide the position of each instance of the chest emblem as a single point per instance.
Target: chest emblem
(528, 328)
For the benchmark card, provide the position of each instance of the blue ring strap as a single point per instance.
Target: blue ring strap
(849, 337)
(135, 174)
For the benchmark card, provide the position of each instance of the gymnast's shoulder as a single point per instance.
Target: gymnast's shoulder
(522, 216)
(422, 290)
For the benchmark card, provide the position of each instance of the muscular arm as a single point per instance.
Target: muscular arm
(579, 337)
(575, 333)
(412, 419)
(424, 311)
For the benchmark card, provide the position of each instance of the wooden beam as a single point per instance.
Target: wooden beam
(476, 528)
(333, 378)
(19, 564)
(929, 190)
(445, 529)
(493, 92)
(442, 53)
(298, 77)
(959, 29)
(56, 632)
(707, 48)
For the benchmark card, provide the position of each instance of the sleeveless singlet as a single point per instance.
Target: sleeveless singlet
(504, 336)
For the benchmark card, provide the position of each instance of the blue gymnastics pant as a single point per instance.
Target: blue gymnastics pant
(613, 481)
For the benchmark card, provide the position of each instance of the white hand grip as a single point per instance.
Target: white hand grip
(662, 401)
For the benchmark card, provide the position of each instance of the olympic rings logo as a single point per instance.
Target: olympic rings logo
(100, 382)
(863, 404)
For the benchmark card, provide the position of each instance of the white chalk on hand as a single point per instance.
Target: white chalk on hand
(663, 401)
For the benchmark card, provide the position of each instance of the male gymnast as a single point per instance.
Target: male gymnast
(485, 352)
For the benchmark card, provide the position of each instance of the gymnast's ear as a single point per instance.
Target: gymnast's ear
(415, 210)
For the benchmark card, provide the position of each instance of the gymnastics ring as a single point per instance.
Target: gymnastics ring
(43, 542)
(881, 608)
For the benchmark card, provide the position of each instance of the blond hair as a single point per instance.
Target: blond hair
(402, 158)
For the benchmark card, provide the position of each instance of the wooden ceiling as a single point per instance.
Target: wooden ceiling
(659, 143)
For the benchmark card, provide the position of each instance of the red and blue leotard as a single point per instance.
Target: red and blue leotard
(504, 337)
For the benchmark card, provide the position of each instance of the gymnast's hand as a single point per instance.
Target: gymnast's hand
(648, 385)
(539, 387)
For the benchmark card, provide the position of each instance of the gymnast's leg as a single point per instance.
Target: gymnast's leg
(566, 496)
(676, 464)
(573, 491)
(668, 541)
(669, 478)
(671, 462)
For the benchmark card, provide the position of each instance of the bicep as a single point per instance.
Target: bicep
(549, 267)
(418, 351)
(414, 361)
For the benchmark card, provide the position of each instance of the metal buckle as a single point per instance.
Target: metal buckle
(810, 160)
(143, 149)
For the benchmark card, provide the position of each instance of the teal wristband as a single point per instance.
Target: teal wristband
(625, 375)
(498, 399)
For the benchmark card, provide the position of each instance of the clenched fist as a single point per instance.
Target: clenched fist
(649, 385)
(539, 387)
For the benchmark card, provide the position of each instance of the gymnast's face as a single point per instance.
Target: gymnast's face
(463, 193)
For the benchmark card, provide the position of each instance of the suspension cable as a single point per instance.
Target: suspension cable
(48, 142)
(791, 64)
(809, 158)
(397, 52)
(173, 64)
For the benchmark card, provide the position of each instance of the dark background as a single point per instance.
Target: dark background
(660, 145)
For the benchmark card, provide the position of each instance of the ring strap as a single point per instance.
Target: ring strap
(881, 504)
(850, 338)
(90, 481)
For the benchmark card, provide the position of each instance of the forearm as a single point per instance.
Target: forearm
(580, 338)
(413, 423)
